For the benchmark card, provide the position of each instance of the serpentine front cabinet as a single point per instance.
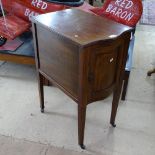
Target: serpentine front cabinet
(84, 55)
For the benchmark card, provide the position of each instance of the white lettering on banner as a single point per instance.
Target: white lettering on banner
(129, 16)
(34, 2)
(28, 13)
(44, 6)
(129, 5)
(113, 10)
(124, 3)
(39, 4)
(118, 12)
(124, 14)
(117, 2)
(109, 8)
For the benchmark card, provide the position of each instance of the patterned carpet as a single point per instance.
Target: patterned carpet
(148, 16)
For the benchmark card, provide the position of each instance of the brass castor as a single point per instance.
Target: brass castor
(42, 110)
(113, 125)
(83, 146)
(150, 72)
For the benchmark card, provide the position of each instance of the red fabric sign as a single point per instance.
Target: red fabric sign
(127, 12)
(27, 8)
(14, 26)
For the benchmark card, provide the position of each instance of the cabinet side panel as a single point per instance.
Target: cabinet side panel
(59, 59)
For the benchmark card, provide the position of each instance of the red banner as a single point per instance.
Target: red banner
(27, 8)
(127, 12)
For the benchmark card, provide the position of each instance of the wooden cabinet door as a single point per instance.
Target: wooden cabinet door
(105, 64)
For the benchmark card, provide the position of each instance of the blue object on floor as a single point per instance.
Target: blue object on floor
(128, 67)
(130, 53)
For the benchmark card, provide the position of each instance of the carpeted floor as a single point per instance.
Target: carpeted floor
(148, 16)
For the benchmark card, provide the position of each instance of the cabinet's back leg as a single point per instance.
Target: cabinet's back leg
(125, 85)
(115, 102)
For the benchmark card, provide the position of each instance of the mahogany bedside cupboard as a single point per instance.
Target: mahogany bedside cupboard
(84, 55)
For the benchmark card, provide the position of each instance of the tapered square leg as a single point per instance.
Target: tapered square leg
(81, 125)
(114, 110)
(115, 102)
(41, 91)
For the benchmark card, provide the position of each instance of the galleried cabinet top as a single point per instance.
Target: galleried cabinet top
(79, 26)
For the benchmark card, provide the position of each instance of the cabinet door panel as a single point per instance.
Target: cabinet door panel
(104, 64)
(104, 71)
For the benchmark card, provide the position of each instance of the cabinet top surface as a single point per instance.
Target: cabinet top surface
(79, 26)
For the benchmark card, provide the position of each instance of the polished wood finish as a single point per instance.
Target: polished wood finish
(84, 55)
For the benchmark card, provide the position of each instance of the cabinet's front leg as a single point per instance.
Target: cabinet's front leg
(115, 102)
(81, 125)
(41, 91)
(82, 94)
